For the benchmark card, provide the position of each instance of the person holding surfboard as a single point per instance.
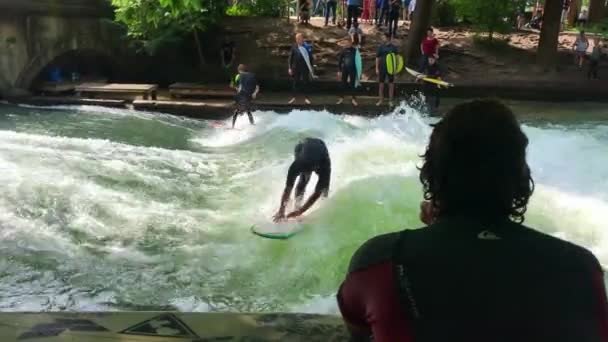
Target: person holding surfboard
(347, 71)
(247, 89)
(311, 155)
(431, 90)
(393, 17)
(385, 71)
(300, 68)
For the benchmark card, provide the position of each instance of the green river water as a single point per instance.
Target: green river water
(108, 209)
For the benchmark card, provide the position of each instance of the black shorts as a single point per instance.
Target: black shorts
(243, 103)
(385, 76)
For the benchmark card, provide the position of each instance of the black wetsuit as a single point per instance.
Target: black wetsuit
(301, 73)
(310, 155)
(348, 68)
(431, 90)
(246, 84)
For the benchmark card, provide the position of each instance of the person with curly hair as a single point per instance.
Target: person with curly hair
(475, 272)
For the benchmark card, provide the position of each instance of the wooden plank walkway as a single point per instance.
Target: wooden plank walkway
(146, 90)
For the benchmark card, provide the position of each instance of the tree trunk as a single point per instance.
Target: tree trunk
(420, 22)
(549, 33)
(596, 10)
(199, 48)
(575, 8)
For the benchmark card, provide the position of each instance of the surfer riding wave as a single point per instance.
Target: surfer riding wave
(311, 155)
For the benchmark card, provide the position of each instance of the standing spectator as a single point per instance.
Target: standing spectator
(580, 49)
(384, 12)
(474, 272)
(431, 90)
(393, 21)
(347, 72)
(227, 54)
(583, 17)
(406, 10)
(429, 47)
(300, 64)
(330, 6)
(594, 59)
(356, 34)
(352, 8)
(412, 8)
(381, 70)
(305, 6)
(366, 10)
(373, 16)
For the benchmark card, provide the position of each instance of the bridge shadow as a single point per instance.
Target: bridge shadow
(76, 66)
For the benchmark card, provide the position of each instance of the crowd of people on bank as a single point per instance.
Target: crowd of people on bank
(301, 70)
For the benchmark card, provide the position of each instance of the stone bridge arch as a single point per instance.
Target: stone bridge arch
(48, 38)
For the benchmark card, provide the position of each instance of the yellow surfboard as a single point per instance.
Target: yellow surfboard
(394, 63)
(428, 79)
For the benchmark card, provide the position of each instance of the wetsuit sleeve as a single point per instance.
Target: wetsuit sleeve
(290, 60)
(324, 178)
(340, 60)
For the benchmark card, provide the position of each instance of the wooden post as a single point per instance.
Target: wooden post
(549, 33)
(575, 8)
(597, 10)
(418, 27)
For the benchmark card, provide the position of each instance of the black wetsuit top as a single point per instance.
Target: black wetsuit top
(311, 155)
(296, 61)
(346, 60)
(432, 71)
(246, 84)
(461, 280)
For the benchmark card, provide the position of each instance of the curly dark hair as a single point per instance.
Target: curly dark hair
(475, 163)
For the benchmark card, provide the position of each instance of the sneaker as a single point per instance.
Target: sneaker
(340, 101)
(354, 102)
(379, 103)
(307, 101)
(292, 101)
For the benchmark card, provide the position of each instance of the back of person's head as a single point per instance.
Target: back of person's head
(242, 68)
(388, 38)
(356, 24)
(429, 31)
(475, 164)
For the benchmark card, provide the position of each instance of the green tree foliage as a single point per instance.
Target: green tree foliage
(262, 8)
(489, 15)
(157, 22)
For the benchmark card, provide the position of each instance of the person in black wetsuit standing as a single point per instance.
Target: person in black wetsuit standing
(311, 155)
(347, 71)
(431, 90)
(247, 90)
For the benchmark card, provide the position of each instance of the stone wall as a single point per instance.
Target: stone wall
(29, 42)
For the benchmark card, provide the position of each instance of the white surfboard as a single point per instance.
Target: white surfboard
(277, 231)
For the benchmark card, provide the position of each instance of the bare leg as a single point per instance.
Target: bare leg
(380, 93)
(236, 115)
(250, 117)
(391, 92)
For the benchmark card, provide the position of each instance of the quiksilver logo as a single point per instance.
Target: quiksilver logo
(488, 235)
